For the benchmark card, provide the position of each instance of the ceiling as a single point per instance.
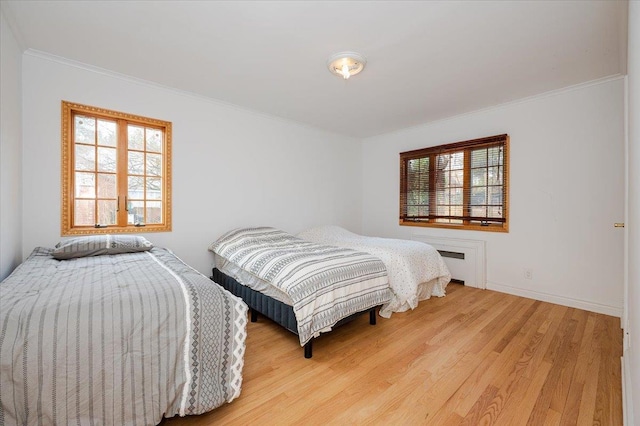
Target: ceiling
(426, 60)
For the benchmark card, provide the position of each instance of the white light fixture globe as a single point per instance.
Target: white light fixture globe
(346, 64)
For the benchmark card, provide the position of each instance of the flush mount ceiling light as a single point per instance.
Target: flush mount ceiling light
(346, 64)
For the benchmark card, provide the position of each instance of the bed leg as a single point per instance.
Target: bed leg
(308, 349)
(254, 315)
(372, 316)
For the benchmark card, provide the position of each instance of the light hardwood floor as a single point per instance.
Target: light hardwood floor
(474, 357)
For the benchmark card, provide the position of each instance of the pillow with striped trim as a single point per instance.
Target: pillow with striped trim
(96, 245)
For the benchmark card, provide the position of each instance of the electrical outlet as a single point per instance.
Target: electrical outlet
(528, 273)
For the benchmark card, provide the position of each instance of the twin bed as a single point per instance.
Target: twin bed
(112, 330)
(308, 285)
(266, 266)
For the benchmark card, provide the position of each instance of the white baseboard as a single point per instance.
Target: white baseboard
(627, 401)
(559, 300)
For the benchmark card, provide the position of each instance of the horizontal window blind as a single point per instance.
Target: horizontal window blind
(463, 184)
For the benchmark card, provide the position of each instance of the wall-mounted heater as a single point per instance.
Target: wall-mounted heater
(465, 258)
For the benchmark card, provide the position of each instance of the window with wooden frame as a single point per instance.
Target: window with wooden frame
(463, 185)
(116, 172)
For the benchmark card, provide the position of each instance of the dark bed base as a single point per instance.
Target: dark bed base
(271, 308)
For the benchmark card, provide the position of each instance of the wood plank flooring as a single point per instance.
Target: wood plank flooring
(474, 357)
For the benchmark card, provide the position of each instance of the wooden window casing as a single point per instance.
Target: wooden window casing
(463, 185)
(116, 172)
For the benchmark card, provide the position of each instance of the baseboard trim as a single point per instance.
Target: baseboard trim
(559, 300)
(627, 401)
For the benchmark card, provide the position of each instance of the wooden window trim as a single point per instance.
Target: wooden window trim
(67, 170)
(431, 152)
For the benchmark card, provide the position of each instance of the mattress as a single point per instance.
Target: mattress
(274, 309)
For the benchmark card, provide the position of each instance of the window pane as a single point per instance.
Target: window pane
(136, 212)
(457, 178)
(413, 197)
(85, 129)
(424, 164)
(495, 175)
(423, 197)
(136, 188)
(478, 211)
(457, 160)
(106, 133)
(443, 210)
(107, 212)
(478, 177)
(154, 212)
(85, 157)
(417, 184)
(442, 161)
(85, 185)
(154, 164)
(456, 211)
(479, 158)
(413, 166)
(154, 189)
(106, 159)
(456, 196)
(495, 212)
(135, 137)
(479, 196)
(84, 213)
(106, 186)
(495, 195)
(417, 181)
(495, 156)
(154, 140)
(442, 197)
(136, 163)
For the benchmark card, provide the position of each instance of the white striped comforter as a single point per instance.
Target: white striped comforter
(116, 340)
(326, 284)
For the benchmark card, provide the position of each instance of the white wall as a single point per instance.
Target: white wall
(632, 306)
(10, 151)
(566, 191)
(304, 177)
(231, 167)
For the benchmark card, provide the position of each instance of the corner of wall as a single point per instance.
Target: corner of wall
(11, 147)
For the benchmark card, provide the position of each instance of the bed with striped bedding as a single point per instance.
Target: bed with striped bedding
(416, 270)
(116, 339)
(323, 284)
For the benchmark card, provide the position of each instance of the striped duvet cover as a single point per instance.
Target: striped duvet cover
(326, 284)
(116, 340)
